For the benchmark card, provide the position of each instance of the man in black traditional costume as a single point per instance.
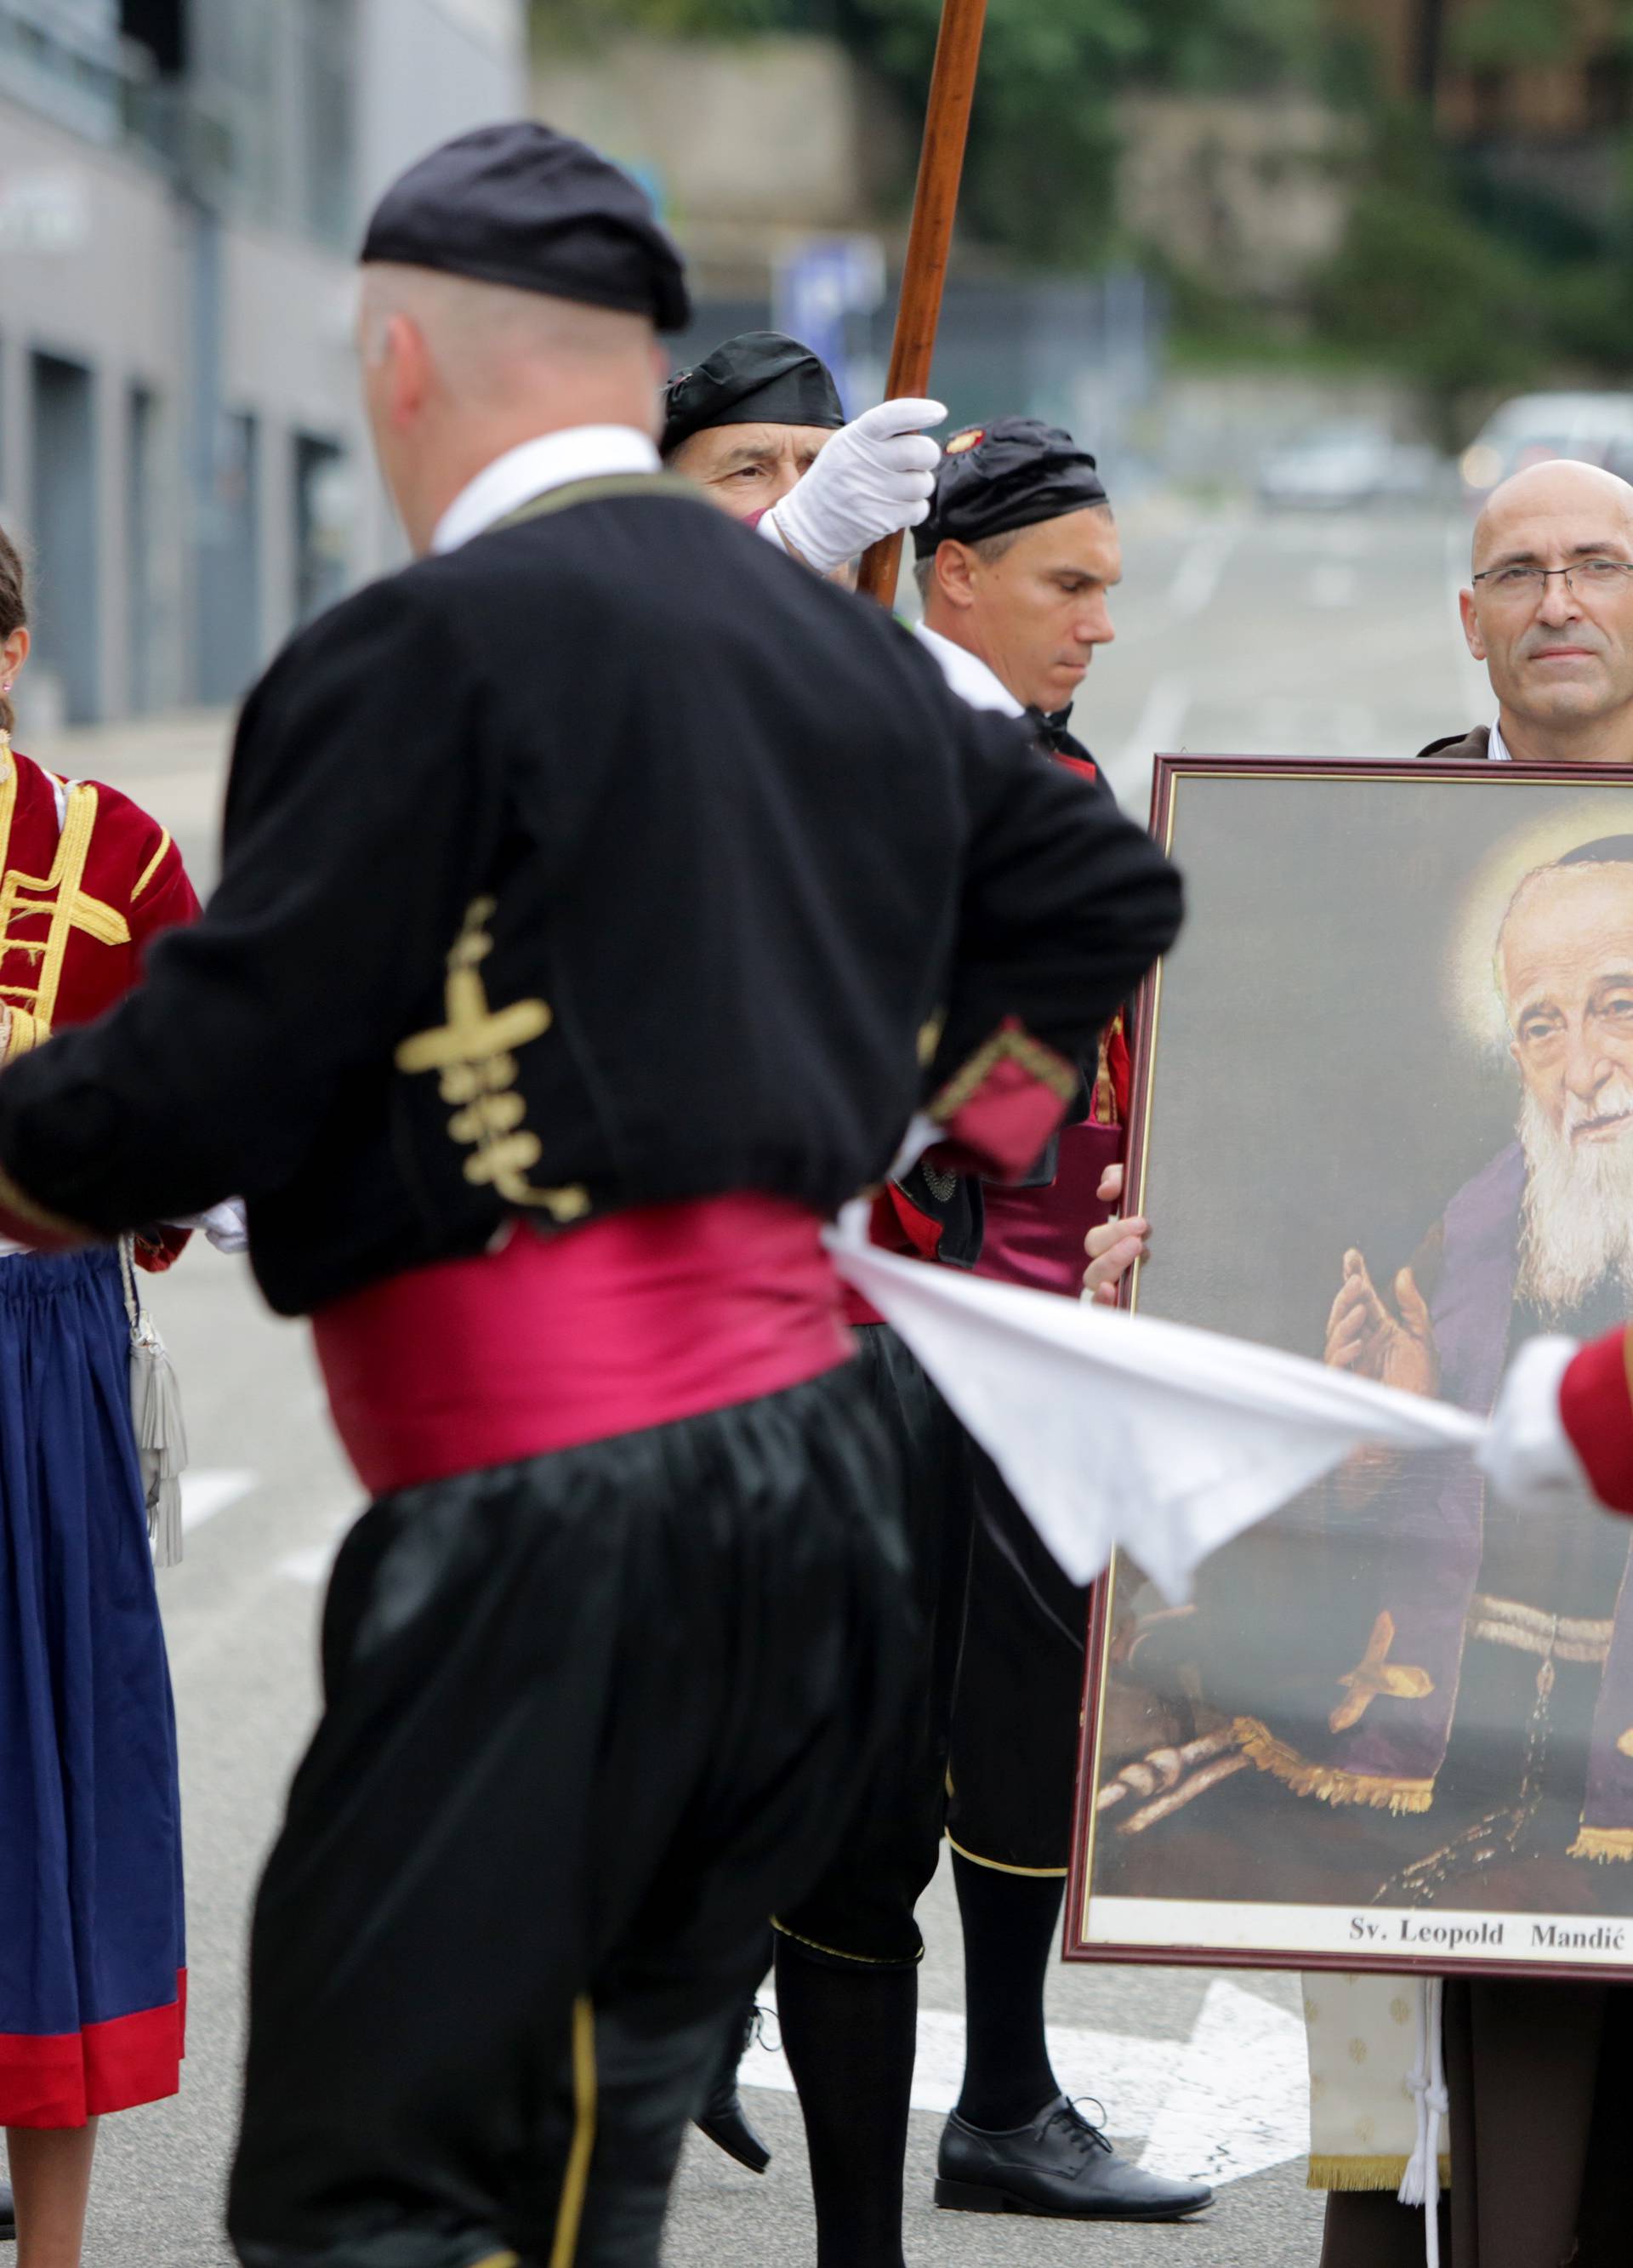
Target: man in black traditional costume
(1016, 551)
(565, 973)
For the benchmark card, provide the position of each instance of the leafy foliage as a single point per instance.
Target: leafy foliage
(1419, 284)
(1039, 178)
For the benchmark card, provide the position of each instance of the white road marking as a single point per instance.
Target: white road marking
(210, 1491)
(1229, 2101)
(311, 1565)
(1162, 720)
(1239, 2101)
(1193, 587)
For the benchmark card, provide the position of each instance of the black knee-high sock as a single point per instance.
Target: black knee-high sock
(1010, 1922)
(849, 2036)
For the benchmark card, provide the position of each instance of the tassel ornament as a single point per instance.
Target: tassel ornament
(1420, 2184)
(156, 1416)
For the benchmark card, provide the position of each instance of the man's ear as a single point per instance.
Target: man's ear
(407, 370)
(1471, 627)
(954, 565)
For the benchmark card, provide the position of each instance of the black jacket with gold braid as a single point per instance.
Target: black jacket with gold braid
(607, 860)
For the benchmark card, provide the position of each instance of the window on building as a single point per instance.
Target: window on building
(145, 610)
(62, 520)
(229, 566)
(323, 511)
(327, 30)
(160, 26)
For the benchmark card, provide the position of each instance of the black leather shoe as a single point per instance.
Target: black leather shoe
(8, 2215)
(1059, 2165)
(722, 2118)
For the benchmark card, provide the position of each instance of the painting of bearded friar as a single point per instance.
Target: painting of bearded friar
(1402, 1692)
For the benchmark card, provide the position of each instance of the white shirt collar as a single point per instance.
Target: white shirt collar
(969, 676)
(1497, 753)
(582, 452)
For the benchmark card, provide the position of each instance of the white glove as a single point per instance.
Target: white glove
(1527, 1456)
(875, 477)
(224, 1224)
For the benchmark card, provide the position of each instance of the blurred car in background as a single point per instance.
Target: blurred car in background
(1595, 429)
(1336, 467)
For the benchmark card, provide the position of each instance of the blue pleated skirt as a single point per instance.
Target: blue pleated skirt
(92, 1967)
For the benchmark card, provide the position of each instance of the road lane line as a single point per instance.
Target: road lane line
(211, 1490)
(1193, 587)
(1162, 720)
(1229, 2101)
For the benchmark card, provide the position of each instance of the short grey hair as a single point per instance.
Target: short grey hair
(986, 548)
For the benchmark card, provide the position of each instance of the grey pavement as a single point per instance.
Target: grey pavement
(1238, 634)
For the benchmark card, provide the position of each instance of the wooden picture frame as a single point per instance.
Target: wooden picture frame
(1359, 1747)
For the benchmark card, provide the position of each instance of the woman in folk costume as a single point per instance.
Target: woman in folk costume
(92, 1963)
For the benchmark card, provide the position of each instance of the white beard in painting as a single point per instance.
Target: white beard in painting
(1577, 1225)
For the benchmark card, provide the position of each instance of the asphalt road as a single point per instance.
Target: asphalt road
(1312, 635)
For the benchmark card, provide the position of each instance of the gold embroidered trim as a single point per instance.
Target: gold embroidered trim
(17, 1201)
(1527, 1629)
(861, 1960)
(1330, 2171)
(599, 487)
(999, 1867)
(1604, 1843)
(152, 866)
(57, 898)
(474, 1053)
(576, 2181)
(22, 1032)
(1325, 1781)
(498, 2260)
(1033, 1054)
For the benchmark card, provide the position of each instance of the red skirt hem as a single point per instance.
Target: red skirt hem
(62, 2079)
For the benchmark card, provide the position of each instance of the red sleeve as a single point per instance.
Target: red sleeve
(1596, 1410)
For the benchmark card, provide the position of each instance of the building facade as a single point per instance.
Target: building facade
(182, 188)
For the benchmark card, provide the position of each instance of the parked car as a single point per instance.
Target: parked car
(1338, 466)
(1595, 429)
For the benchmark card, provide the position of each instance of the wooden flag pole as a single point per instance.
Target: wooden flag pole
(930, 239)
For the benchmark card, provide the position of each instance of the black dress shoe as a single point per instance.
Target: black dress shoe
(722, 2118)
(1058, 2165)
(8, 2215)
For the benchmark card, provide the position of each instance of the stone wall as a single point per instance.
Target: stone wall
(766, 134)
(1252, 192)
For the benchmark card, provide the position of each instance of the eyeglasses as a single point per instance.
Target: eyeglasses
(1599, 576)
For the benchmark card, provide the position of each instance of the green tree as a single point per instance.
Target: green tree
(1419, 286)
(1043, 142)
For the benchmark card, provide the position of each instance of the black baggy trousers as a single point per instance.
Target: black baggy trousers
(588, 1720)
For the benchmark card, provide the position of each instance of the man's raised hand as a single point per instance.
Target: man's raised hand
(874, 478)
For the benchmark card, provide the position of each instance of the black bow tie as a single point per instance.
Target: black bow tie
(1052, 730)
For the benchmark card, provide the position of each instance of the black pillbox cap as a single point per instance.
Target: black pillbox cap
(993, 479)
(760, 378)
(522, 205)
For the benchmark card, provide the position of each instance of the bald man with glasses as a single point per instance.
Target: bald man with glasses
(1549, 610)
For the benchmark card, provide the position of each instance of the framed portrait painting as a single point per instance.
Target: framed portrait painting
(1383, 1117)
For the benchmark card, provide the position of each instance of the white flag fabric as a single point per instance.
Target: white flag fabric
(1116, 1430)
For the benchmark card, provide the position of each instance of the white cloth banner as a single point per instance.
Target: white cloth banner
(1116, 1430)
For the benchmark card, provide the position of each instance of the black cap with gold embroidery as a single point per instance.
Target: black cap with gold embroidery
(522, 205)
(760, 378)
(1011, 474)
